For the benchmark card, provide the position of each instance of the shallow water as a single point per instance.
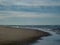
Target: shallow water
(49, 40)
(54, 39)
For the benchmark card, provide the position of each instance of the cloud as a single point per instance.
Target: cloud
(30, 2)
(38, 9)
(40, 6)
(9, 14)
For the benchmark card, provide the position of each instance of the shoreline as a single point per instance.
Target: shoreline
(19, 36)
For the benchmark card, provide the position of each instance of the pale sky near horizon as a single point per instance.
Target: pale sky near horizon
(29, 12)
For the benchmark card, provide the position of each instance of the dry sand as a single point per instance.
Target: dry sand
(20, 36)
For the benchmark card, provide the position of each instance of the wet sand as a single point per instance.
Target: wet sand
(19, 36)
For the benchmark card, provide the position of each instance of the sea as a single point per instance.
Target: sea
(54, 30)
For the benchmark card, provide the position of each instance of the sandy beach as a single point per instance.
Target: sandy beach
(19, 36)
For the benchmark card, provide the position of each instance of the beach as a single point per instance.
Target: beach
(19, 36)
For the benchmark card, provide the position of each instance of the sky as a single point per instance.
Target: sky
(29, 12)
